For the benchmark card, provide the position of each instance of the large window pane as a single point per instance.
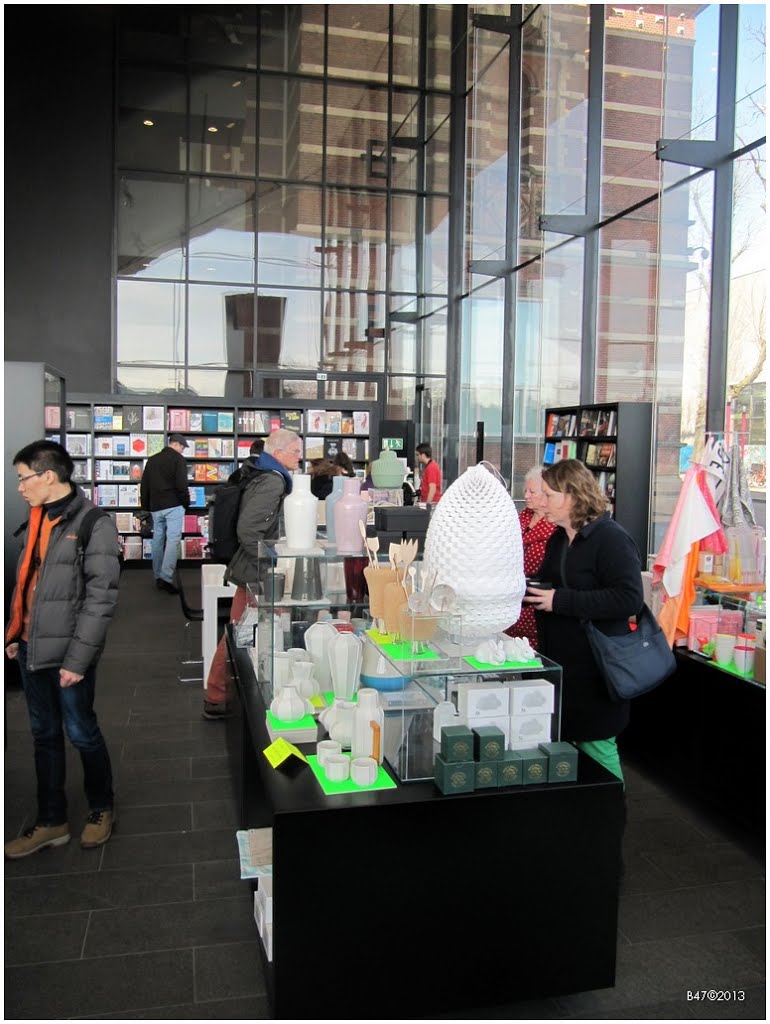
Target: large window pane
(221, 230)
(488, 161)
(437, 145)
(152, 33)
(292, 37)
(356, 135)
(439, 45)
(289, 248)
(224, 35)
(152, 380)
(354, 243)
(358, 41)
(403, 244)
(151, 225)
(221, 319)
(288, 334)
(223, 122)
(151, 322)
(562, 310)
(406, 53)
(290, 129)
(751, 94)
(152, 119)
(354, 331)
(436, 259)
(482, 372)
(402, 353)
(404, 165)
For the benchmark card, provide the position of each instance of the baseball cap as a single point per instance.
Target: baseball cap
(178, 439)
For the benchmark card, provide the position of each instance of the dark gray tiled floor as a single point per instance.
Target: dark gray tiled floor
(157, 925)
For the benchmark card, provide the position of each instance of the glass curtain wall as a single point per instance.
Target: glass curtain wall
(282, 195)
(646, 310)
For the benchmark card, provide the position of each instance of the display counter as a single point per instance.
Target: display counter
(403, 902)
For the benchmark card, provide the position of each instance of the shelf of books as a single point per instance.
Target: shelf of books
(110, 443)
(615, 441)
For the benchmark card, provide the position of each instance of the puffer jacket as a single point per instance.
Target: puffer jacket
(76, 591)
(258, 520)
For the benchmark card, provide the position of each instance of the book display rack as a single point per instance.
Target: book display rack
(615, 441)
(111, 438)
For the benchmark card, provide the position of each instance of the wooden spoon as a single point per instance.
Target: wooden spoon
(373, 545)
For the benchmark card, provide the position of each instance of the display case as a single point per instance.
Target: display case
(303, 598)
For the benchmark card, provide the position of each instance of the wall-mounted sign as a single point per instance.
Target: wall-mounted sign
(395, 444)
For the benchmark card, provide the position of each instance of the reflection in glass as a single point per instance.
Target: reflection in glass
(406, 37)
(488, 166)
(292, 37)
(152, 380)
(562, 310)
(358, 41)
(482, 372)
(403, 244)
(224, 35)
(357, 134)
(288, 328)
(404, 166)
(151, 226)
(289, 250)
(354, 249)
(437, 146)
(354, 331)
(150, 322)
(221, 319)
(401, 400)
(290, 129)
(221, 230)
(152, 33)
(751, 94)
(483, 46)
(439, 45)
(436, 251)
(231, 384)
(223, 124)
(402, 353)
(434, 343)
(152, 119)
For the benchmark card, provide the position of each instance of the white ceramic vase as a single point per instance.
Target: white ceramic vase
(300, 515)
(338, 722)
(338, 483)
(302, 678)
(345, 656)
(288, 705)
(368, 726)
(350, 510)
(317, 640)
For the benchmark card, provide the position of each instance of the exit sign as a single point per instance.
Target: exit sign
(396, 444)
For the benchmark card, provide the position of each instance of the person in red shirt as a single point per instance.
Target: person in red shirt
(430, 475)
(535, 531)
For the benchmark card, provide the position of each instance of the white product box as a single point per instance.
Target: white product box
(531, 696)
(482, 700)
(267, 941)
(529, 731)
(258, 916)
(265, 892)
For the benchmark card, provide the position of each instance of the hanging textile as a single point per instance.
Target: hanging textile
(737, 507)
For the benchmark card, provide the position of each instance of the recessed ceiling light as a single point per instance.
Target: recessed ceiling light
(236, 84)
(230, 124)
(148, 122)
(211, 128)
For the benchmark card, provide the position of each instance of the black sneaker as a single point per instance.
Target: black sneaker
(168, 587)
(216, 712)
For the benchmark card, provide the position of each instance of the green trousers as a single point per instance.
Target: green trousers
(605, 752)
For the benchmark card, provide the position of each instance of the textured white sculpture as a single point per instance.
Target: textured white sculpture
(474, 545)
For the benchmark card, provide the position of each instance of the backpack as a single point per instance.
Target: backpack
(87, 528)
(223, 519)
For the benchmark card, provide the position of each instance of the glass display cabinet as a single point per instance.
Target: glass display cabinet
(420, 666)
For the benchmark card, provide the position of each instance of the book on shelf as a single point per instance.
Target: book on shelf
(132, 547)
(592, 455)
(179, 420)
(117, 418)
(550, 425)
(88, 491)
(190, 524)
(350, 448)
(103, 446)
(549, 454)
(102, 417)
(132, 418)
(156, 443)
(315, 421)
(106, 495)
(210, 421)
(275, 423)
(225, 422)
(567, 450)
(102, 469)
(332, 447)
(125, 522)
(606, 455)
(199, 471)
(607, 484)
(138, 445)
(603, 423)
(128, 495)
(193, 547)
(361, 422)
(224, 469)
(244, 449)
(215, 448)
(589, 419)
(120, 446)
(253, 421)
(78, 444)
(314, 447)
(196, 422)
(199, 449)
(52, 417)
(119, 470)
(135, 470)
(82, 470)
(291, 419)
(227, 446)
(190, 470)
(334, 422)
(212, 471)
(612, 426)
(153, 417)
(346, 423)
(197, 497)
(147, 548)
(78, 417)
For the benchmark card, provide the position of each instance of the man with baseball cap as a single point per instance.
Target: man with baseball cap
(165, 493)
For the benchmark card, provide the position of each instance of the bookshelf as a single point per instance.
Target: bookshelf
(110, 439)
(614, 440)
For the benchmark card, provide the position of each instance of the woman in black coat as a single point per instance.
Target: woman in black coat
(595, 570)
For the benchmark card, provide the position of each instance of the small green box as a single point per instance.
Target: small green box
(562, 761)
(488, 743)
(486, 774)
(509, 769)
(454, 776)
(456, 743)
(534, 766)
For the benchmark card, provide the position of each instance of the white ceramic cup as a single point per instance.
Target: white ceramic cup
(724, 644)
(746, 640)
(337, 767)
(325, 749)
(743, 656)
(363, 770)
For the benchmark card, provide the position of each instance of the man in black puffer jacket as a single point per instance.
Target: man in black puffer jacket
(65, 596)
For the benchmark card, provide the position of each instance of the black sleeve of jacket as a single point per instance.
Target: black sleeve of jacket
(620, 592)
(101, 576)
(144, 491)
(181, 482)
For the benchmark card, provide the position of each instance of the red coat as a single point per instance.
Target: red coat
(534, 540)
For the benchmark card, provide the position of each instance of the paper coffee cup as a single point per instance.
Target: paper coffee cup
(724, 644)
(743, 656)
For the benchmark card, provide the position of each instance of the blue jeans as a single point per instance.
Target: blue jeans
(51, 705)
(166, 534)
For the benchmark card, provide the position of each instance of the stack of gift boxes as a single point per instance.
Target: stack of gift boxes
(503, 737)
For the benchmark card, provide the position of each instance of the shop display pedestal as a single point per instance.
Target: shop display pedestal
(473, 900)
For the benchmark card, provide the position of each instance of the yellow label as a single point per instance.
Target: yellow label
(318, 701)
(279, 750)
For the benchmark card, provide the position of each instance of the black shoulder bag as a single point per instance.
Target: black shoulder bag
(633, 662)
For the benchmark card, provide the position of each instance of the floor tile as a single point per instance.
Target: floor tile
(138, 820)
(713, 862)
(220, 879)
(48, 937)
(216, 814)
(98, 890)
(172, 848)
(246, 1008)
(690, 911)
(216, 767)
(231, 970)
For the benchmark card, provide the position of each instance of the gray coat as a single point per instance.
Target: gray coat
(258, 520)
(76, 594)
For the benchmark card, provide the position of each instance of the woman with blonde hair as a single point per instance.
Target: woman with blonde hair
(594, 569)
(535, 533)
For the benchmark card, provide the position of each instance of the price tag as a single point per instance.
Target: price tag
(280, 750)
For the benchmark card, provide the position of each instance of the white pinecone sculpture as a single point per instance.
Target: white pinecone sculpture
(474, 544)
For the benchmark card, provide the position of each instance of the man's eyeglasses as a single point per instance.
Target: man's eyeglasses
(23, 479)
